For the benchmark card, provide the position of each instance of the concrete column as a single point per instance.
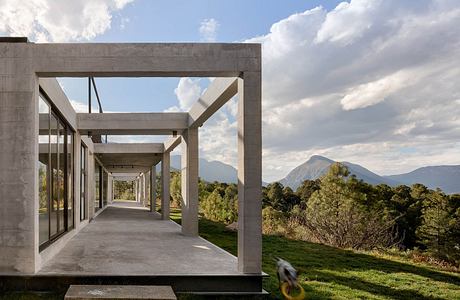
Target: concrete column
(19, 125)
(189, 182)
(165, 179)
(249, 173)
(110, 189)
(153, 188)
(144, 189)
(135, 190)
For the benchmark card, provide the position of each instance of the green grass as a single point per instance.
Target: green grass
(330, 273)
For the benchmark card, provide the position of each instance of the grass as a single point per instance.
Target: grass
(330, 273)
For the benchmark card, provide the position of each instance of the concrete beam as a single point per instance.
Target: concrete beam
(132, 148)
(144, 60)
(217, 94)
(52, 89)
(132, 123)
(172, 143)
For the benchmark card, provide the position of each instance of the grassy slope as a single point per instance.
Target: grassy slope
(326, 272)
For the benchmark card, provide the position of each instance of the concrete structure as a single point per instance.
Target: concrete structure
(42, 135)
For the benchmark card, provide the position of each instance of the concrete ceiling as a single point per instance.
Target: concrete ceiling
(129, 162)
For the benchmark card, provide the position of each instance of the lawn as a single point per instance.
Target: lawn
(330, 273)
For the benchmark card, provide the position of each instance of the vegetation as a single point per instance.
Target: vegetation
(123, 190)
(327, 272)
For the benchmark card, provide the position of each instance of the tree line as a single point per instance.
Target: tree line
(342, 211)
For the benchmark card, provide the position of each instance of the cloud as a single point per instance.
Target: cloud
(187, 92)
(58, 21)
(208, 29)
(363, 82)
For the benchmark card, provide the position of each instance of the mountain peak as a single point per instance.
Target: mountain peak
(319, 157)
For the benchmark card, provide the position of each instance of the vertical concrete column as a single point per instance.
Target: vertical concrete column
(136, 189)
(165, 179)
(142, 189)
(189, 182)
(153, 188)
(110, 189)
(249, 173)
(19, 235)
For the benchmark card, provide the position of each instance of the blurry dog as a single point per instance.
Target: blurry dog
(286, 273)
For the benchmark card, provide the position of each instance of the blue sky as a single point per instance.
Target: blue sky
(178, 21)
(373, 82)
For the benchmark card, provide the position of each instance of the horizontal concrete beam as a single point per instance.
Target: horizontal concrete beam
(172, 143)
(132, 123)
(139, 60)
(132, 148)
(217, 94)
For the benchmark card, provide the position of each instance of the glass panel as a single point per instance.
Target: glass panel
(54, 174)
(83, 183)
(43, 170)
(105, 180)
(61, 175)
(70, 210)
(97, 170)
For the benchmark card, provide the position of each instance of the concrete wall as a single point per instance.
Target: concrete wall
(18, 160)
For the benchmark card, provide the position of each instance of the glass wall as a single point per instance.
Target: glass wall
(55, 174)
(43, 170)
(83, 180)
(98, 179)
(105, 181)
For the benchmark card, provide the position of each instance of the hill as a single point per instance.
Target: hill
(447, 178)
(318, 165)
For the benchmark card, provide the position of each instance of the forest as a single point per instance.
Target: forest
(341, 211)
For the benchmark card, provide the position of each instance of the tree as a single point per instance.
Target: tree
(437, 215)
(306, 189)
(274, 195)
(175, 189)
(340, 213)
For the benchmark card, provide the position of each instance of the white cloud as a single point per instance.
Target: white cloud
(58, 21)
(371, 82)
(208, 29)
(188, 91)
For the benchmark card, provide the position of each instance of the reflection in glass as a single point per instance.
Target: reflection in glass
(54, 175)
(61, 174)
(105, 185)
(97, 176)
(43, 166)
(83, 183)
(70, 211)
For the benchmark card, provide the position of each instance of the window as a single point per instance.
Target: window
(105, 185)
(83, 180)
(55, 174)
(98, 178)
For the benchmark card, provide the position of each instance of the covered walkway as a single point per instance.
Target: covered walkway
(127, 239)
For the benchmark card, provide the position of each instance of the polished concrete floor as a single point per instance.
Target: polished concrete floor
(126, 239)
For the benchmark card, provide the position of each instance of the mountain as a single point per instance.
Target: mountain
(210, 170)
(318, 165)
(447, 178)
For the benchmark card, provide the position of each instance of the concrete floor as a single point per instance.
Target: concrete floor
(127, 239)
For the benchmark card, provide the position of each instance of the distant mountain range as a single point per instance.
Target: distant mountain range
(210, 170)
(445, 177)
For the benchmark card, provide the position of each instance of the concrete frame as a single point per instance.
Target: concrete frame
(21, 66)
